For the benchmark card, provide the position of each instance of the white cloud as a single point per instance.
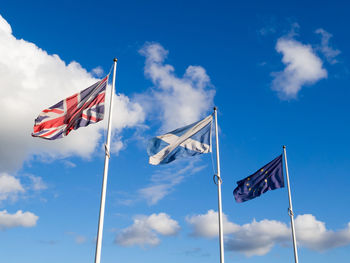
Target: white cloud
(154, 193)
(126, 113)
(259, 237)
(37, 183)
(303, 67)
(10, 186)
(164, 181)
(163, 224)
(5, 27)
(30, 81)
(19, 219)
(117, 145)
(98, 71)
(325, 48)
(313, 234)
(178, 100)
(144, 230)
(137, 234)
(69, 164)
(207, 225)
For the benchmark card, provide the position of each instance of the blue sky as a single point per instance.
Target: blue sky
(279, 74)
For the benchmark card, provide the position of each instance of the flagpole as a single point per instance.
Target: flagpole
(105, 173)
(290, 209)
(219, 182)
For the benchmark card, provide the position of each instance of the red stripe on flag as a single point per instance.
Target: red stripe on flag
(90, 118)
(49, 124)
(72, 120)
(48, 133)
(53, 110)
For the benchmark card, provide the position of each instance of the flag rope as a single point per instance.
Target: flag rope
(219, 179)
(105, 130)
(212, 160)
(107, 151)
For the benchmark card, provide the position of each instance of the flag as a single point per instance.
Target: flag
(190, 140)
(269, 177)
(78, 110)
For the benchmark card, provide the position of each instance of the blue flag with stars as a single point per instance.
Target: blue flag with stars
(269, 177)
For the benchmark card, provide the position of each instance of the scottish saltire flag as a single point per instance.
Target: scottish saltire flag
(190, 140)
(269, 177)
(78, 110)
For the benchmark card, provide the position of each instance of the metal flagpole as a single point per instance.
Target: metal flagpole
(290, 209)
(219, 182)
(105, 173)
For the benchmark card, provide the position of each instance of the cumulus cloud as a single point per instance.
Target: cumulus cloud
(163, 224)
(98, 71)
(207, 225)
(117, 145)
(146, 230)
(259, 237)
(302, 67)
(179, 100)
(313, 234)
(32, 80)
(10, 186)
(19, 219)
(329, 52)
(164, 181)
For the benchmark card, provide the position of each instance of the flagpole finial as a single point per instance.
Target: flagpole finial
(215, 108)
(284, 147)
(115, 60)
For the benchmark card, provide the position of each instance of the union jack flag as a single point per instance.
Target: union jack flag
(78, 110)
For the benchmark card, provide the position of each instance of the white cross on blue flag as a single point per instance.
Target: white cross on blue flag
(190, 140)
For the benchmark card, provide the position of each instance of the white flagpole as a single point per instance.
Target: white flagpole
(290, 209)
(219, 182)
(105, 173)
